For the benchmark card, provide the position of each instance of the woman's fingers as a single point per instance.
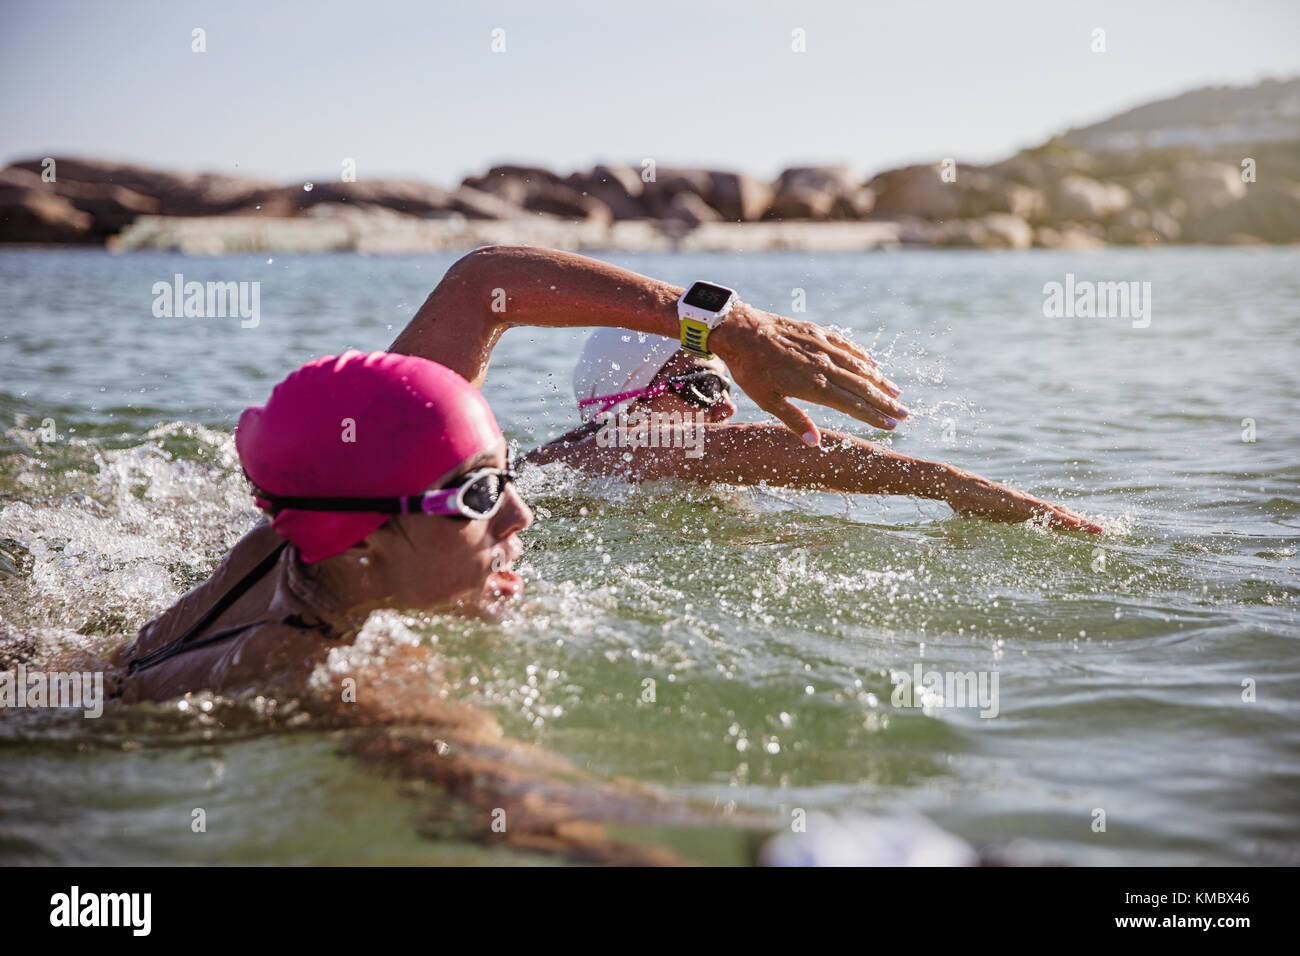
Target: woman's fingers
(851, 364)
(1061, 518)
(1058, 517)
(794, 419)
(876, 409)
(1007, 504)
(849, 345)
(841, 381)
(832, 396)
(843, 353)
(775, 359)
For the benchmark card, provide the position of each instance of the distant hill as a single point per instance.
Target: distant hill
(1208, 118)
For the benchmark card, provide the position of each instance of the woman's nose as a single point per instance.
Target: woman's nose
(515, 515)
(724, 409)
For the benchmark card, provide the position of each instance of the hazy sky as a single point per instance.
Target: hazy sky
(289, 89)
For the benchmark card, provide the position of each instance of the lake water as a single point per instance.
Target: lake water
(1152, 674)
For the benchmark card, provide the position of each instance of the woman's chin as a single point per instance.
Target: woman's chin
(492, 601)
(499, 591)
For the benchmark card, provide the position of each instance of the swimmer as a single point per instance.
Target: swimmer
(672, 410)
(385, 479)
(386, 483)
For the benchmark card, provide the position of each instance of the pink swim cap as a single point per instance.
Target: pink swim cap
(359, 426)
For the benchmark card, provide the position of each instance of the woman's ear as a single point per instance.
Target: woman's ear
(361, 556)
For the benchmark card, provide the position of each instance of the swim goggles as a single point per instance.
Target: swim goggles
(702, 389)
(476, 494)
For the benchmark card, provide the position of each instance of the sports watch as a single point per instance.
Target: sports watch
(700, 310)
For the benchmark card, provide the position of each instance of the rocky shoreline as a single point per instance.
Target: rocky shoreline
(1067, 193)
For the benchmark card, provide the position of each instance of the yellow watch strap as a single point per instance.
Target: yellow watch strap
(695, 337)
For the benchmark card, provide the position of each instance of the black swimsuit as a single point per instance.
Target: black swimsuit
(189, 642)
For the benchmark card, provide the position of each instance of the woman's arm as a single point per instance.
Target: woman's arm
(771, 357)
(747, 454)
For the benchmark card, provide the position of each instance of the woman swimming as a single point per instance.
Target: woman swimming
(386, 484)
(652, 410)
(385, 476)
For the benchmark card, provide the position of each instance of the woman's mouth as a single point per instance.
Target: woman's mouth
(504, 581)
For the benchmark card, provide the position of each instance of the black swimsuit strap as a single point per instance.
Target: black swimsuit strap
(188, 641)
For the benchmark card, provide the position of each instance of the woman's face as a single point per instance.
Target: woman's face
(670, 401)
(435, 561)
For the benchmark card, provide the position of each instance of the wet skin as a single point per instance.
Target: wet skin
(424, 562)
(439, 563)
(745, 453)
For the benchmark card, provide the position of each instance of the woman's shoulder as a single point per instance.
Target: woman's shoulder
(266, 656)
(276, 654)
(253, 548)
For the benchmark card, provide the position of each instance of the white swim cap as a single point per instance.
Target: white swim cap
(618, 360)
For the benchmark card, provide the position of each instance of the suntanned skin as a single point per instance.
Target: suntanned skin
(389, 569)
(434, 562)
(431, 562)
(771, 357)
(746, 454)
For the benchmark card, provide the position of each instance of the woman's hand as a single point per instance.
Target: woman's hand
(973, 495)
(774, 359)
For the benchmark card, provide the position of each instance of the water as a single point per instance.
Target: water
(769, 620)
